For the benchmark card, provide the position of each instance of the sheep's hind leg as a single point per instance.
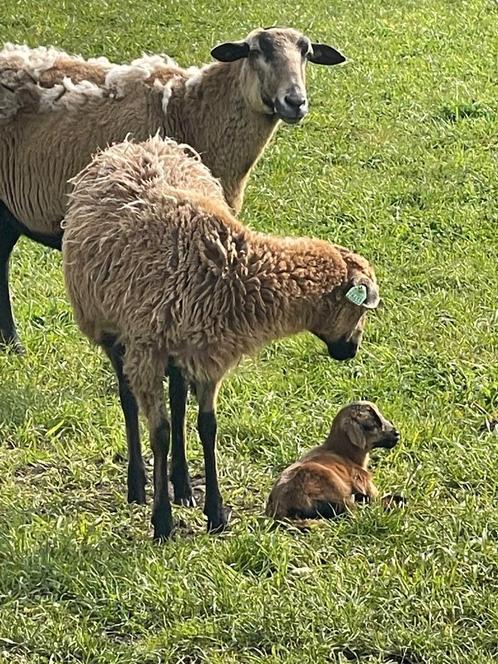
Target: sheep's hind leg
(136, 471)
(180, 478)
(217, 514)
(8, 238)
(144, 369)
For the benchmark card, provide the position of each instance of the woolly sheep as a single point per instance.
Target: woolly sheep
(158, 270)
(57, 109)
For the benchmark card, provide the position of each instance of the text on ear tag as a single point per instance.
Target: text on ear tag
(357, 294)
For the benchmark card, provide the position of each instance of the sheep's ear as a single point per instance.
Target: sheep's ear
(322, 54)
(364, 293)
(356, 434)
(230, 51)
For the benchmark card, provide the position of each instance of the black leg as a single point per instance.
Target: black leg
(178, 389)
(136, 471)
(162, 519)
(8, 238)
(218, 515)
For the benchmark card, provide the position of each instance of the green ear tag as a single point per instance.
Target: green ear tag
(357, 294)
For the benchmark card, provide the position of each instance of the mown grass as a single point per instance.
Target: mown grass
(397, 159)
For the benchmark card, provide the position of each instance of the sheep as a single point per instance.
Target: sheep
(57, 109)
(160, 272)
(330, 478)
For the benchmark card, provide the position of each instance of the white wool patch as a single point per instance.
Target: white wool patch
(121, 76)
(154, 61)
(21, 69)
(195, 75)
(167, 92)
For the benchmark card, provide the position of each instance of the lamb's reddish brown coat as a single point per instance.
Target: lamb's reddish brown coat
(327, 478)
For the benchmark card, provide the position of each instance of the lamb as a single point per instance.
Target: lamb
(57, 109)
(160, 272)
(330, 478)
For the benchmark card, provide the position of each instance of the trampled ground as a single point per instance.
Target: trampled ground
(398, 159)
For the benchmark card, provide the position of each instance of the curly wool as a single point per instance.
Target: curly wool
(153, 254)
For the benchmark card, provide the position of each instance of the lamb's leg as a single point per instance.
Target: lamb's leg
(218, 515)
(143, 367)
(178, 389)
(136, 471)
(8, 238)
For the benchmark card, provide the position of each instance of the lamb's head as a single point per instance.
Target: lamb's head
(272, 74)
(340, 319)
(365, 426)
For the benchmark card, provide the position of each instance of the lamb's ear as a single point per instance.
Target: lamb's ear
(363, 292)
(230, 51)
(325, 55)
(356, 434)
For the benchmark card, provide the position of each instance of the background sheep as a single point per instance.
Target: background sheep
(329, 478)
(158, 269)
(56, 110)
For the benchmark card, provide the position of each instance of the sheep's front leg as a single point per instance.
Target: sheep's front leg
(218, 516)
(136, 471)
(178, 389)
(8, 238)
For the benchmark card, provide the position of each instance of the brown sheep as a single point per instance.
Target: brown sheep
(330, 478)
(159, 270)
(57, 109)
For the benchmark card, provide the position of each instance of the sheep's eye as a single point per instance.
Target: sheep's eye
(255, 52)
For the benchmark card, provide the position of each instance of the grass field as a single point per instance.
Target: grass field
(398, 159)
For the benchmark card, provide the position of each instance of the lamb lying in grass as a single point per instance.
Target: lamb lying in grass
(330, 478)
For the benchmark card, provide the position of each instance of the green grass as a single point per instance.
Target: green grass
(398, 159)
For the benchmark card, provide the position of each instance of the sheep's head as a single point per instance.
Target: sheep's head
(340, 321)
(273, 72)
(364, 425)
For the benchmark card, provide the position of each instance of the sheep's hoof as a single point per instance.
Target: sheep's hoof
(392, 500)
(12, 346)
(187, 501)
(182, 490)
(163, 525)
(219, 522)
(361, 498)
(136, 486)
(136, 493)
(137, 496)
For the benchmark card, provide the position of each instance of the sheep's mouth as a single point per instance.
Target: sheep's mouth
(269, 106)
(277, 111)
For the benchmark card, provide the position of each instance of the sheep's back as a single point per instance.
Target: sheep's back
(130, 233)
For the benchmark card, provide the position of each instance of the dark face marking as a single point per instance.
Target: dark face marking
(267, 46)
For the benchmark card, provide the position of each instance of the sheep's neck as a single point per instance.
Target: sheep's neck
(292, 275)
(339, 444)
(218, 123)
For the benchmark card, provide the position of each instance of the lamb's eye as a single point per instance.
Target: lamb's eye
(368, 426)
(255, 52)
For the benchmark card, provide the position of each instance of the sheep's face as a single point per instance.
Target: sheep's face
(272, 75)
(365, 426)
(342, 317)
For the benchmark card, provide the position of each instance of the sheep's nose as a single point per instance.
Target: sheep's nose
(293, 107)
(295, 100)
